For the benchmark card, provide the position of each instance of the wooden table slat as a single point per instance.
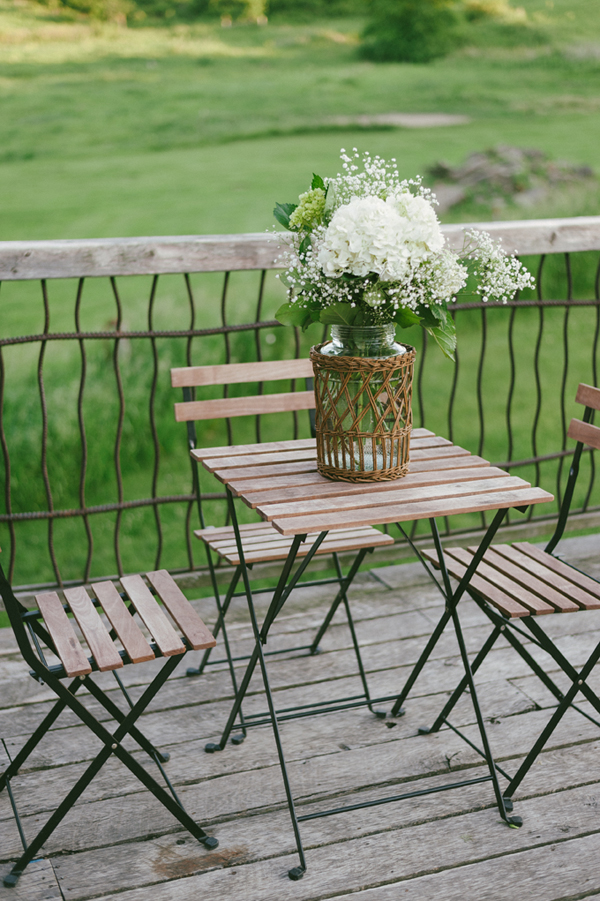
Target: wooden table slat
(130, 634)
(405, 512)
(152, 616)
(415, 485)
(220, 465)
(202, 453)
(93, 629)
(447, 488)
(63, 635)
(251, 480)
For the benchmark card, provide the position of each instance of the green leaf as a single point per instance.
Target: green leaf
(445, 336)
(283, 211)
(317, 182)
(433, 316)
(304, 245)
(294, 314)
(339, 314)
(405, 318)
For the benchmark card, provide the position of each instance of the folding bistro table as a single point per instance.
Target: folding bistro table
(280, 480)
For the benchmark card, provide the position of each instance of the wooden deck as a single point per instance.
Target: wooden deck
(119, 843)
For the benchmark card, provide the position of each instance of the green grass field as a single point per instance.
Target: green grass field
(194, 128)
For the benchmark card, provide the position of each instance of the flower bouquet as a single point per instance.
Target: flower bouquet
(366, 254)
(366, 248)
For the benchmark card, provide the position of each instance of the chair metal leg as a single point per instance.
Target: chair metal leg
(463, 684)
(33, 741)
(453, 603)
(567, 701)
(452, 600)
(112, 745)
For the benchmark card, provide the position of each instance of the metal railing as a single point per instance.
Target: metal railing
(94, 476)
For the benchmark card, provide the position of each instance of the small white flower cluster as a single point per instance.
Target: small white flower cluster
(374, 241)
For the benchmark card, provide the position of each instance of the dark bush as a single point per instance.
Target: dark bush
(307, 9)
(414, 31)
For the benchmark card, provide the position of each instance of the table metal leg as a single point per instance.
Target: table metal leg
(452, 600)
(258, 656)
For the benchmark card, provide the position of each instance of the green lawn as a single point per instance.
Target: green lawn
(198, 129)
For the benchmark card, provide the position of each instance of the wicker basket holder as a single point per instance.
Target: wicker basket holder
(363, 415)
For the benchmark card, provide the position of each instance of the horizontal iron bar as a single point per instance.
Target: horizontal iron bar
(153, 333)
(107, 508)
(316, 709)
(416, 794)
(483, 305)
(510, 464)
(302, 647)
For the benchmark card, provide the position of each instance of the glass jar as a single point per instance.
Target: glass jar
(373, 341)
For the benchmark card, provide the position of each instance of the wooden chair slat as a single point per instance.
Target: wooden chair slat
(563, 569)
(226, 539)
(414, 480)
(152, 616)
(279, 552)
(237, 373)
(130, 634)
(197, 410)
(93, 629)
(491, 593)
(215, 533)
(447, 488)
(588, 396)
(404, 512)
(508, 585)
(277, 541)
(584, 431)
(507, 566)
(181, 610)
(63, 635)
(554, 582)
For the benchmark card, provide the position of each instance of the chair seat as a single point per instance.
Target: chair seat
(104, 654)
(263, 543)
(522, 579)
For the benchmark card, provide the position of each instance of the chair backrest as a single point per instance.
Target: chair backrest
(586, 435)
(582, 430)
(240, 373)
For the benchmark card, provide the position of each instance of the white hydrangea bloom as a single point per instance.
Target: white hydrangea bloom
(423, 235)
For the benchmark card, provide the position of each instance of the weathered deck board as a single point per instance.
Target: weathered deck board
(122, 845)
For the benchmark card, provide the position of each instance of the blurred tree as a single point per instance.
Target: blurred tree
(414, 31)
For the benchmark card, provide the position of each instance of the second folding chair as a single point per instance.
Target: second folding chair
(515, 585)
(261, 542)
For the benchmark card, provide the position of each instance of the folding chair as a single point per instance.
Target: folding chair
(513, 585)
(261, 541)
(50, 625)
